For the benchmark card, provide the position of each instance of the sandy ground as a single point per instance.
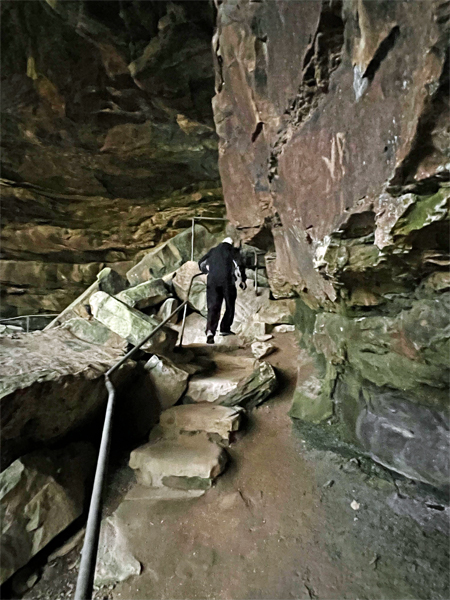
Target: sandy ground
(279, 524)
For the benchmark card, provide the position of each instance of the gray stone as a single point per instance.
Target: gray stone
(402, 435)
(115, 562)
(144, 295)
(254, 329)
(41, 494)
(191, 461)
(262, 349)
(167, 309)
(168, 381)
(107, 281)
(182, 281)
(230, 372)
(284, 328)
(50, 383)
(310, 403)
(247, 305)
(169, 257)
(264, 338)
(253, 390)
(220, 420)
(131, 324)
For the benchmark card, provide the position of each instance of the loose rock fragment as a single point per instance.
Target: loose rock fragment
(115, 561)
(284, 328)
(262, 349)
(169, 381)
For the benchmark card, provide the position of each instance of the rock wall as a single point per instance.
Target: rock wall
(108, 141)
(334, 151)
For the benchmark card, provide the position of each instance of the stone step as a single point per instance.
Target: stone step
(230, 371)
(219, 421)
(189, 462)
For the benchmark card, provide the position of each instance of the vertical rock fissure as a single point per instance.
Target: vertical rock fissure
(321, 60)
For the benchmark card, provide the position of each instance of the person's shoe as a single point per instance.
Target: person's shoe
(209, 337)
(225, 333)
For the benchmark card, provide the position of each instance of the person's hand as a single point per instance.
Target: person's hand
(243, 285)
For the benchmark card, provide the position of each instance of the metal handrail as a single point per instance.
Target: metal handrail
(27, 318)
(85, 580)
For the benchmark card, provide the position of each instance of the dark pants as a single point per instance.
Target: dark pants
(215, 295)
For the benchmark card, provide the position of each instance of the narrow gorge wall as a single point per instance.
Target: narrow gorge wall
(333, 120)
(108, 141)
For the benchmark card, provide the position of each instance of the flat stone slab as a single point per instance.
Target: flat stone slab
(144, 295)
(262, 349)
(221, 420)
(230, 371)
(185, 463)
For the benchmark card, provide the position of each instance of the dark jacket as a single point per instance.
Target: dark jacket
(220, 264)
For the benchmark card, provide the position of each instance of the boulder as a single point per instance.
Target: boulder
(262, 349)
(50, 383)
(182, 281)
(253, 390)
(144, 295)
(131, 324)
(278, 282)
(311, 402)
(169, 257)
(94, 332)
(107, 281)
(168, 381)
(254, 329)
(248, 304)
(41, 494)
(211, 419)
(189, 462)
(277, 312)
(115, 562)
(230, 372)
(167, 308)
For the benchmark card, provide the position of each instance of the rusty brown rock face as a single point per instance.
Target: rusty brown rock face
(319, 108)
(333, 141)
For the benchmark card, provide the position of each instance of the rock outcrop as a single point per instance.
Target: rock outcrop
(333, 124)
(108, 141)
(51, 383)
